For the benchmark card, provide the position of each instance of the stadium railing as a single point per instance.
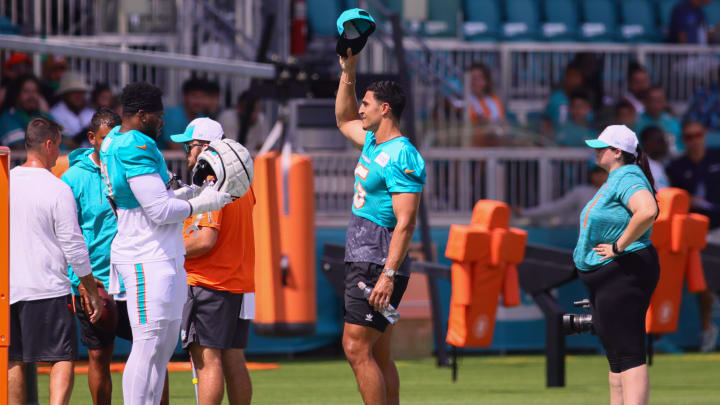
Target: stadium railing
(525, 73)
(456, 178)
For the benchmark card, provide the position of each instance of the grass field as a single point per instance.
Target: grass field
(515, 379)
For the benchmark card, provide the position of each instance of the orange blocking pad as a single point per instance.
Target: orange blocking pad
(284, 220)
(485, 255)
(4, 270)
(82, 367)
(678, 238)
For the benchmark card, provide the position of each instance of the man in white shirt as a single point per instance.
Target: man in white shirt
(71, 111)
(44, 239)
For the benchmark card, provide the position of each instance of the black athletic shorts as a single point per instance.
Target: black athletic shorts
(43, 330)
(211, 318)
(95, 338)
(620, 293)
(358, 310)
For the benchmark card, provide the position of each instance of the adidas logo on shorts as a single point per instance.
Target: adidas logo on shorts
(368, 317)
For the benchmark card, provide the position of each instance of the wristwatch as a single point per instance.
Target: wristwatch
(615, 248)
(389, 273)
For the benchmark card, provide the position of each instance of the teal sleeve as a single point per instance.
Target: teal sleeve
(628, 185)
(138, 160)
(406, 174)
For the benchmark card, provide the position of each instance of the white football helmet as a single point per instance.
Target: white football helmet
(229, 163)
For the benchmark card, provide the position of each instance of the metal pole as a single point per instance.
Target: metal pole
(406, 83)
(555, 339)
(31, 384)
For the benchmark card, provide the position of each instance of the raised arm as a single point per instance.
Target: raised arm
(346, 106)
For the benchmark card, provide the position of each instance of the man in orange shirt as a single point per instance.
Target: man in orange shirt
(220, 262)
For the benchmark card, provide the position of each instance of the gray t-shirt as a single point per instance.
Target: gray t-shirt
(369, 242)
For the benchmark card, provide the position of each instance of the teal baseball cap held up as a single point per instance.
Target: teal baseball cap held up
(354, 26)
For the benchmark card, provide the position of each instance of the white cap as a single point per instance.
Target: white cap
(617, 136)
(200, 129)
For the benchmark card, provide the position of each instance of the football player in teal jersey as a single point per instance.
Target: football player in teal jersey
(148, 250)
(389, 178)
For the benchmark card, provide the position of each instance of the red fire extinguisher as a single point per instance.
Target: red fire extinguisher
(298, 28)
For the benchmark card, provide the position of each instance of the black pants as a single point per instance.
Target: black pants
(620, 295)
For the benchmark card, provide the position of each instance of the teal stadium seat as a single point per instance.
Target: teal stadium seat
(712, 13)
(394, 6)
(321, 15)
(665, 8)
(599, 20)
(561, 20)
(482, 20)
(639, 22)
(442, 19)
(522, 20)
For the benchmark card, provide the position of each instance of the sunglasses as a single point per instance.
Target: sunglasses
(693, 135)
(188, 146)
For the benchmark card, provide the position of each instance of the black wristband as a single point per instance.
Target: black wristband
(615, 248)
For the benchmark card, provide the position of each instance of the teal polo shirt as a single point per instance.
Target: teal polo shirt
(607, 215)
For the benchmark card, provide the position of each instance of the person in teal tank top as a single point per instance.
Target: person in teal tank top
(617, 262)
(389, 178)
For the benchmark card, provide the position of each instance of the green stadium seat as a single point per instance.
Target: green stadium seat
(561, 20)
(482, 20)
(522, 20)
(599, 20)
(442, 18)
(639, 23)
(321, 15)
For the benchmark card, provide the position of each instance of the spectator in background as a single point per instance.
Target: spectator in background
(591, 65)
(698, 172)
(231, 121)
(656, 114)
(566, 210)
(687, 22)
(71, 111)
(18, 64)
(53, 69)
(556, 111)
(101, 97)
(638, 84)
(21, 105)
(484, 105)
(212, 99)
(705, 107)
(577, 129)
(654, 143)
(194, 105)
(625, 114)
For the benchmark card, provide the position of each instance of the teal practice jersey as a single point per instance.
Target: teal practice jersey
(125, 155)
(394, 166)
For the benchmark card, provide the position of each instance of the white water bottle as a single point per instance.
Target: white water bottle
(391, 314)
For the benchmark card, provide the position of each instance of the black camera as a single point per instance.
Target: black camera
(578, 323)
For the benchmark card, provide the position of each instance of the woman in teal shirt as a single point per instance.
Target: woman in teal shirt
(617, 262)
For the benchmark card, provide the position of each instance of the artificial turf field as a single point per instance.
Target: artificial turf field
(513, 379)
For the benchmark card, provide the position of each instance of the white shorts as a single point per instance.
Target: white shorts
(155, 291)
